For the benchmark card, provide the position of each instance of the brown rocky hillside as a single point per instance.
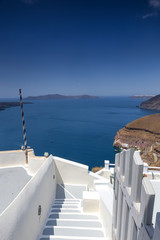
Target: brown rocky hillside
(143, 134)
(152, 103)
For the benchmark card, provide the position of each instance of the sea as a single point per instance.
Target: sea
(81, 130)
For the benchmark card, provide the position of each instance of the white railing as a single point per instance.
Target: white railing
(133, 200)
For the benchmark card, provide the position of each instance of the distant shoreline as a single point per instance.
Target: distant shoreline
(142, 96)
(59, 96)
(4, 105)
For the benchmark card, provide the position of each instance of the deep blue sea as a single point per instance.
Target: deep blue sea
(79, 130)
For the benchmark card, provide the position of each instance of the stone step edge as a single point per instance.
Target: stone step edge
(68, 199)
(75, 220)
(75, 228)
(66, 204)
(72, 208)
(70, 237)
(74, 185)
(65, 210)
(61, 214)
(83, 214)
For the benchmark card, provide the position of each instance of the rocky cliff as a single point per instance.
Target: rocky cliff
(142, 134)
(152, 103)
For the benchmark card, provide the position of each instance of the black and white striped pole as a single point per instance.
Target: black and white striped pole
(24, 129)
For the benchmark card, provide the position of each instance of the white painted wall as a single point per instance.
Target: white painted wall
(90, 202)
(106, 173)
(12, 158)
(18, 158)
(34, 164)
(105, 207)
(70, 172)
(20, 220)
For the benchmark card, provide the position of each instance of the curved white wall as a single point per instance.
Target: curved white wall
(20, 220)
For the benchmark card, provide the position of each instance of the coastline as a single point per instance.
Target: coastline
(4, 105)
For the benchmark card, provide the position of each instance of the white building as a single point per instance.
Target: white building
(54, 198)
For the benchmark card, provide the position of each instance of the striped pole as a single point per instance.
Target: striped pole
(24, 129)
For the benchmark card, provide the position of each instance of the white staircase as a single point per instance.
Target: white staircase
(67, 220)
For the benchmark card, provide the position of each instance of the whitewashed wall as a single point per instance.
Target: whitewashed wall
(105, 207)
(18, 158)
(12, 158)
(133, 199)
(20, 220)
(70, 172)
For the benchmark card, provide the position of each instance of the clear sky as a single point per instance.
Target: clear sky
(98, 47)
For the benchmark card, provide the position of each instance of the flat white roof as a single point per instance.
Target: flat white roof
(12, 181)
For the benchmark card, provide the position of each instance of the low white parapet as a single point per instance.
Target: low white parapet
(102, 181)
(106, 164)
(27, 213)
(12, 158)
(145, 167)
(90, 202)
(17, 158)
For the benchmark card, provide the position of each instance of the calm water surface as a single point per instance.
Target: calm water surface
(79, 130)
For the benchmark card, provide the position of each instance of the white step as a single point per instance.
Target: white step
(67, 221)
(74, 223)
(73, 231)
(66, 210)
(72, 216)
(65, 206)
(68, 200)
(69, 238)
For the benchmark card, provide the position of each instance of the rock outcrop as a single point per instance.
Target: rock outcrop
(142, 134)
(152, 103)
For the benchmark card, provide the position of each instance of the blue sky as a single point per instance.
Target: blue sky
(96, 47)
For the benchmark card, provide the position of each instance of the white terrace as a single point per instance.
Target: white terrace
(54, 198)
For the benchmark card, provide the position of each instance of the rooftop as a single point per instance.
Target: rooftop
(12, 181)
